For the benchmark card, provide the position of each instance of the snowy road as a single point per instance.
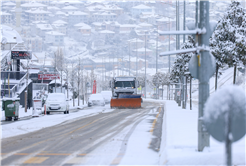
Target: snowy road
(102, 139)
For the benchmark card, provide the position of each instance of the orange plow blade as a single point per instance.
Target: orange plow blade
(126, 103)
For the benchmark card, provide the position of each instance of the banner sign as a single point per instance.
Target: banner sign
(48, 76)
(94, 87)
(21, 55)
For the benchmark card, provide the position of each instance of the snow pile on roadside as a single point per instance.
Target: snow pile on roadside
(182, 141)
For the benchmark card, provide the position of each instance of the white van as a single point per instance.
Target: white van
(57, 102)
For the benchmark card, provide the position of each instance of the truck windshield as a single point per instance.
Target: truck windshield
(125, 84)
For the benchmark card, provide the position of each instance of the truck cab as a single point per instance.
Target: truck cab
(126, 85)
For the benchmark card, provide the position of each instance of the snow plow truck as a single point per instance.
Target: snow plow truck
(124, 93)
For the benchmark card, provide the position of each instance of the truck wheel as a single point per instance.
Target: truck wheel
(65, 112)
(16, 118)
(48, 112)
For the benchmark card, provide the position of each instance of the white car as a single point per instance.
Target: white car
(107, 95)
(57, 102)
(96, 99)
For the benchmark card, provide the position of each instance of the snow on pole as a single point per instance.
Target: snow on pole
(224, 116)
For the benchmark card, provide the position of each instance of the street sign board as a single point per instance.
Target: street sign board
(195, 63)
(226, 109)
(21, 55)
(48, 76)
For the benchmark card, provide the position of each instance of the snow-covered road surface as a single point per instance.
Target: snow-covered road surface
(103, 137)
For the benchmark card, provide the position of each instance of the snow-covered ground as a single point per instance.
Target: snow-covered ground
(182, 140)
(179, 136)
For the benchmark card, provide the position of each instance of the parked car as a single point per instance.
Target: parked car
(107, 96)
(96, 99)
(154, 96)
(57, 102)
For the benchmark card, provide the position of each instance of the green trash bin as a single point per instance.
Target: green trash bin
(11, 108)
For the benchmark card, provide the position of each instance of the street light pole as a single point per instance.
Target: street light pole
(145, 69)
(157, 50)
(184, 24)
(129, 58)
(169, 47)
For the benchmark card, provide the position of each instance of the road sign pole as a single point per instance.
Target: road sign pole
(203, 68)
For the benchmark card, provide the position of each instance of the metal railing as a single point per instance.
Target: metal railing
(16, 88)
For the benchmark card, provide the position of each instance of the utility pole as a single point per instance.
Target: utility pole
(83, 93)
(145, 79)
(55, 72)
(136, 58)
(129, 58)
(184, 24)
(156, 70)
(169, 47)
(203, 135)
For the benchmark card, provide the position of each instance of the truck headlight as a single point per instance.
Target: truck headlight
(132, 87)
(115, 87)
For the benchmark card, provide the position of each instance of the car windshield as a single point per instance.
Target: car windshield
(56, 97)
(125, 84)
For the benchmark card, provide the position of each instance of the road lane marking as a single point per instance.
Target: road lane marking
(82, 154)
(153, 124)
(53, 154)
(22, 154)
(81, 127)
(75, 160)
(35, 160)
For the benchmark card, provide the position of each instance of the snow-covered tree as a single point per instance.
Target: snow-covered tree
(141, 81)
(225, 43)
(180, 66)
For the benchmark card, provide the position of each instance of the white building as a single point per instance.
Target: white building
(41, 29)
(36, 15)
(76, 17)
(137, 10)
(105, 16)
(54, 38)
(6, 18)
(60, 26)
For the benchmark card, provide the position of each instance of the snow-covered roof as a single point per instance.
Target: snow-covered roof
(55, 33)
(53, 8)
(57, 81)
(128, 25)
(141, 6)
(59, 22)
(38, 11)
(9, 4)
(69, 8)
(164, 19)
(5, 14)
(145, 25)
(106, 32)
(97, 23)
(60, 13)
(33, 4)
(77, 13)
(142, 50)
(9, 35)
(67, 1)
(82, 26)
(135, 40)
(44, 26)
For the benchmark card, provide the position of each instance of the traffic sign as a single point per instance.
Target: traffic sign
(226, 109)
(195, 63)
